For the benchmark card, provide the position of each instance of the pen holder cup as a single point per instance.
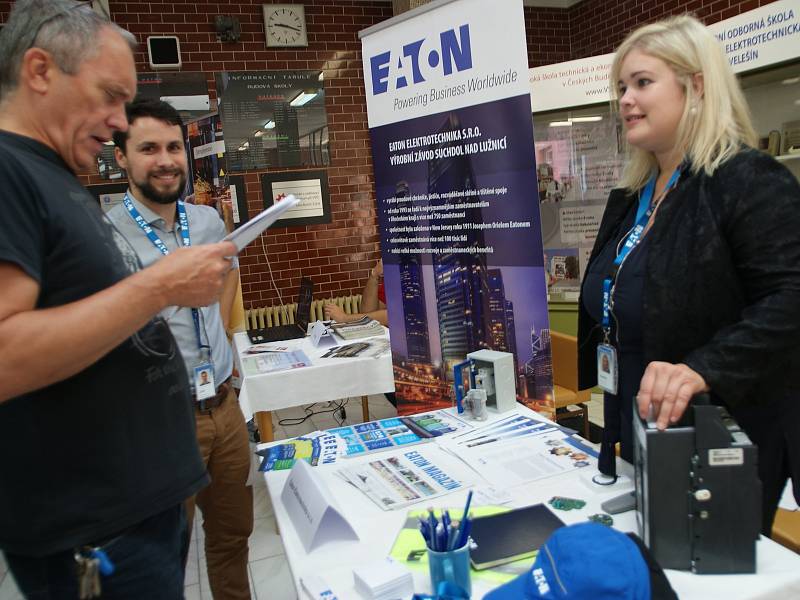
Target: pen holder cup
(452, 567)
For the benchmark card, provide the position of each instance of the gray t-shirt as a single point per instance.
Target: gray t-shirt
(205, 227)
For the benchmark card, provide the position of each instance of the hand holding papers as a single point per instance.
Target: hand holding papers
(252, 229)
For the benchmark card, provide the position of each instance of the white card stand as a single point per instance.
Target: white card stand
(311, 509)
(321, 337)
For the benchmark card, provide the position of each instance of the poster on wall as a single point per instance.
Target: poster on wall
(578, 162)
(449, 111)
(273, 119)
(208, 181)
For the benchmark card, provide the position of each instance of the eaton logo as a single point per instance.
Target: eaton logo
(418, 61)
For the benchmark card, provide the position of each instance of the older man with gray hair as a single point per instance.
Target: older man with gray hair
(96, 420)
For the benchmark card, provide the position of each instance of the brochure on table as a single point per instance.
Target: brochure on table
(400, 480)
(519, 449)
(373, 348)
(327, 447)
(401, 431)
(312, 509)
(272, 361)
(318, 448)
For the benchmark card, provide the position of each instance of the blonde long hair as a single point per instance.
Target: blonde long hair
(713, 127)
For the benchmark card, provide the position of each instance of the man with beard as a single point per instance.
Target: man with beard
(156, 222)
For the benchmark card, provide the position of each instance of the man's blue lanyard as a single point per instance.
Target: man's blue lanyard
(183, 221)
(643, 214)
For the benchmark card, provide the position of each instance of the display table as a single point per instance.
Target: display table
(326, 379)
(778, 569)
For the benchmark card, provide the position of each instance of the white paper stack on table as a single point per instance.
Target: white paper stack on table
(383, 580)
(354, 330)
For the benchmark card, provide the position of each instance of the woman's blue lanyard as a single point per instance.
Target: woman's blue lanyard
(646, 208)
(183, 220)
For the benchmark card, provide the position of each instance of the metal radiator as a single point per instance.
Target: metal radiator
(270, 316)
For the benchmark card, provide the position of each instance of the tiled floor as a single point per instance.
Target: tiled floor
(270, 577)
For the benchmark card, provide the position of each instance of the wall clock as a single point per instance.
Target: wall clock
(285, 25)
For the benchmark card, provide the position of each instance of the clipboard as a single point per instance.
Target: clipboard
(248, 232)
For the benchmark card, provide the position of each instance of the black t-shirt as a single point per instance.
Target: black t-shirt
(100, 451)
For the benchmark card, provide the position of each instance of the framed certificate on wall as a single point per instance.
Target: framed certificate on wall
(311, 187)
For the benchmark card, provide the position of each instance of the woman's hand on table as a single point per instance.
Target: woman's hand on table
(333, 312)
(668, 388)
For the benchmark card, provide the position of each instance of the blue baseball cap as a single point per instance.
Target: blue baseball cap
(587, 560)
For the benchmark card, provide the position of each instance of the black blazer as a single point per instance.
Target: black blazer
(722, 288)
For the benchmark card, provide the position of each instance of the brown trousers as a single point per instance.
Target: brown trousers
(227, 502)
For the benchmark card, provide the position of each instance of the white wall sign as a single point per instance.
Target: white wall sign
(312, 510)
(572, 83)
(761, 37)
(309, 191)
(217, 148)
(753, 40)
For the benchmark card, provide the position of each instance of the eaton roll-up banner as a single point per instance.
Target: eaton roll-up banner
(449, 108)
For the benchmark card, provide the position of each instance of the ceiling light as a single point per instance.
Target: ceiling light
(560, 123)
(586, 119)
(791, 81)
(258, 133)
(269, 124)
(303, 98)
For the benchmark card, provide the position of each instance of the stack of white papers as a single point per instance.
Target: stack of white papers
(383, 580)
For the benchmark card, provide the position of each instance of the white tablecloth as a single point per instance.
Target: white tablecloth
(326, 379)
(778, 569)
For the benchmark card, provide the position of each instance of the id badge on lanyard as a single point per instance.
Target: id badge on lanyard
(203, 374)
(607, 368)
(607, 363)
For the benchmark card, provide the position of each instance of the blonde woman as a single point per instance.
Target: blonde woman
(698, 254)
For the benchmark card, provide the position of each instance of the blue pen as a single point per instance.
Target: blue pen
(465, 533)
(446, 518)
(466, 506)
(423, 530)
(453, 537)
(441, 538)
(463, 523)
(432, 523)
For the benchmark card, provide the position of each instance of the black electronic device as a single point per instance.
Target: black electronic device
(698, 496)
(164, 51)
(290, 331)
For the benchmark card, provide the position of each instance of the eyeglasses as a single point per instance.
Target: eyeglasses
(53, 17)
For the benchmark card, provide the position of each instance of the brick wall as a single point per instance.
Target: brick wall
(548, 35)
(339, 255)
(598, 26)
